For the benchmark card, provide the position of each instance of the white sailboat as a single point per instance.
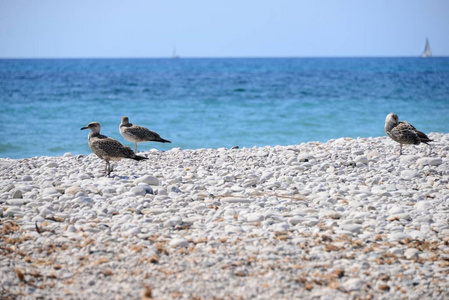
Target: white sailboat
(174, 55)
(427, 52)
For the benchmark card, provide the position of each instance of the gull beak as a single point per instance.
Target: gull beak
(84, 128)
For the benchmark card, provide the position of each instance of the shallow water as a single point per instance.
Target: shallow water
(211, 103)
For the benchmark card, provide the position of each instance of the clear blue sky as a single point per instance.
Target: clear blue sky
(228, 28)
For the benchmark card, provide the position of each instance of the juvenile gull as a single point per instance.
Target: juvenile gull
(108, 148)
(403, 132)
(138, 134)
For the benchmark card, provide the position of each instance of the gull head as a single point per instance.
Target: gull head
(93, 126)
(125, 120)
(391, 121)
(392, 118)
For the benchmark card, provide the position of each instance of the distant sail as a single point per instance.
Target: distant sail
(427, 52)
(174, 55)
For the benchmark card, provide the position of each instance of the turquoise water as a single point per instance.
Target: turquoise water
(211, 103)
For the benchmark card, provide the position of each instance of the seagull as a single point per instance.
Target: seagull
(138, 134)
(108, 148)
(403, 132)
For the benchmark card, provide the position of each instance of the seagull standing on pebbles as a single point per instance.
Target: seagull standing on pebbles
(108, 148)
(138, 134)
(403, 132)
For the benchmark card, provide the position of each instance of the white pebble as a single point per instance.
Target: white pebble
(409, 174)
(411, 253)
(255, 217)
(354, 284)
(148, 179)
(235, 200)
(361, 159)
(432, 161)
(179, 243)
(139, 190)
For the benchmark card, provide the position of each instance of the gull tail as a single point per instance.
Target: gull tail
(163, 141)
(423, 137)
(137, 157)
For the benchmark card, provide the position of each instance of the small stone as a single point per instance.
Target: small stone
(310, 223)
(408, 158)
(354, 284)
(411, 253)
(398, 236)
(148, 179)
(16, 202)
(71, 228)
(361, 159)
(295, 220)
(17, 194)
(8, 187)
(133, 231)
(109, 190)
(200, 207)
(38, 219)
(409, 174)
(351, 227)
(50, 165)
(51, 191)
(261, 154)
(254, 218)
(334, 214)
(174, 189)
(241, 272)
(422, 206)
(305, 157)
(61, 216)
(391, 188)
(124, 219)
(173, 221)
(45, 211)
(424, 219)
(139, 190)
(397, 251)
(179, 243)
(230, 229)
(12, 211)
(396, 210)
(27, 178)
(431, 161)
(404, 216)
(281, 227)
(73, 190)
(235, 200)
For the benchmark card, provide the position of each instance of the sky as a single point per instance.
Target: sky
(222, 28)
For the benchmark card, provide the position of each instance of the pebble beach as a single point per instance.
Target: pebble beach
(344, 219)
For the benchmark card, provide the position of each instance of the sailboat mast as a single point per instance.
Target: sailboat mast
(427, 52)
(174, 55)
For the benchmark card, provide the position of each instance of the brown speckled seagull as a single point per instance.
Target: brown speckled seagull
(138, 134)
(108, 148)
(403, 132)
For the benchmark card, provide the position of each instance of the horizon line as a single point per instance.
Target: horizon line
(215, 57)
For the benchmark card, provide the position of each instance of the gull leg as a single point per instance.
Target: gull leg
(400, 149)
(108, 168)
(135, 150)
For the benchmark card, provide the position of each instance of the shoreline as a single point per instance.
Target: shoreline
(340, 219)
(149, 144)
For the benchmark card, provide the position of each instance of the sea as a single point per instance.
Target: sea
(215, 102)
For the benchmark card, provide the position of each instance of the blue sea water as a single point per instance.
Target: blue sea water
(212, 103)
